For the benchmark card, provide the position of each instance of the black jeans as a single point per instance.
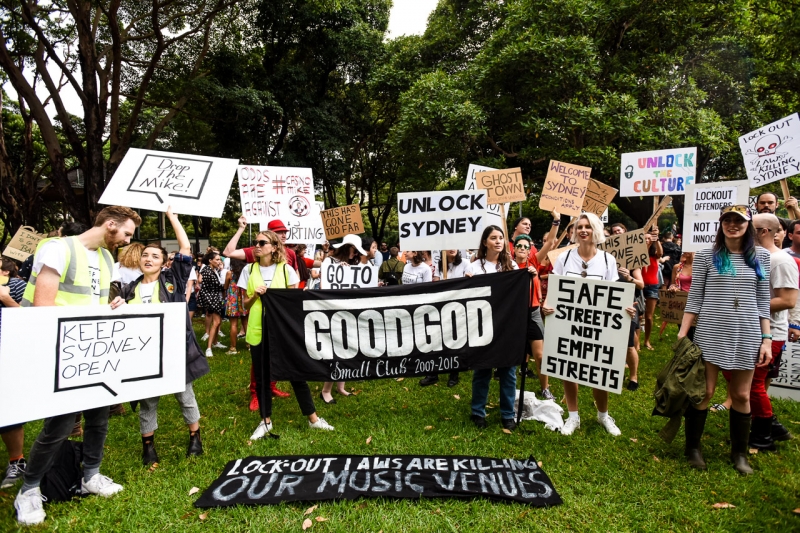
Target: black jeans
(263, 391)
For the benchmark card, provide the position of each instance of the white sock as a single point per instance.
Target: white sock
(602, 415)
(575, 415)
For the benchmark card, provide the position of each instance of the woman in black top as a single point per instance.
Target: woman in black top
(212, 297)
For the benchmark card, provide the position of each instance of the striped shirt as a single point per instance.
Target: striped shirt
(16, 288)
(729, 335)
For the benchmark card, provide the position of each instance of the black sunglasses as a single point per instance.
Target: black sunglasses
(261, 244)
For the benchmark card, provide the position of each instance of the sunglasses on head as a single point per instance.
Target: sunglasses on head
(737, 209)
(261, 244)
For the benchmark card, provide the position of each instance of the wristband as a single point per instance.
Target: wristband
(556, 222)
(766, 336)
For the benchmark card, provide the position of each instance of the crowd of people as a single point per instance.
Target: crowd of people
(745, 285)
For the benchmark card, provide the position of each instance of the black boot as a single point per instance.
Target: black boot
(695, 424)
(149, 455)
(779, 431)
(195, 444)
(740, 435)
(761, 435)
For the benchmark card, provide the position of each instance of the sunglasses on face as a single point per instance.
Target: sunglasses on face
(261, 244)
(522, 246)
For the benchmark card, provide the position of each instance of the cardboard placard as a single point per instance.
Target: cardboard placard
(772, 152)
(496, 215)
(23, 243)
(598, 197)
(339, 221)
(502, 186)
(564, 188)
(88, 356)
(787, 384)
(702, 210)
(553, 255)
(657, 172)
(629, 249)
(671, 305)
(439, 220)
(191, 184)
(586, 339)
(652, 222)
(344, 276)
(699, 234)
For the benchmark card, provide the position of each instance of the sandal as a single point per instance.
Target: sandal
(718, 407)
(232, 351)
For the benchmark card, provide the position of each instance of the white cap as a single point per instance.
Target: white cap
(355, 240)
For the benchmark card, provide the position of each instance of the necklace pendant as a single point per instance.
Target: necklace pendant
(736, 303)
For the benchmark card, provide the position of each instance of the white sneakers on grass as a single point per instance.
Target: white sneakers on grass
(571, 424)
(320, 424)
(261, 430)
(219, 346)
(30, 508)
(209, 353)
(204, 337)
(100, 485)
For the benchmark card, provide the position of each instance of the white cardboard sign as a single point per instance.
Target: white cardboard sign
(344, 276)
(88, 356)
(191, 184)
(703, 203)
(772, 152)
(494, 214)
(657, 172)
(787, 384)
(441, 220)
(586, 339)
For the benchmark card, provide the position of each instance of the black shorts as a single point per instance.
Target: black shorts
(10, 428)
(632, 334)
(535, 324)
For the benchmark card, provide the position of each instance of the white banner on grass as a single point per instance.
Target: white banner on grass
(657, 172)
(57, 360)
(441, 220)
(191, 184)
(586, 339)
(772, 152)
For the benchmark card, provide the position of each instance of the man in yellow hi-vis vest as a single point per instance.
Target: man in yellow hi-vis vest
(74, 271)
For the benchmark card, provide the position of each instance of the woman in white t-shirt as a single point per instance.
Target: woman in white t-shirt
(586, 261)
(493, 257)
(416, 271)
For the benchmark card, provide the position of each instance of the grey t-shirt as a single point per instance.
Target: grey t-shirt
(783, 275)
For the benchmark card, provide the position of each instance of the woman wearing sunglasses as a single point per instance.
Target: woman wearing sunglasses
(586, 261)
(270, 271)
(730, 298)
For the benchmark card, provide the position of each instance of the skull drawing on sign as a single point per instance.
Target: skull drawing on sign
(767, 145)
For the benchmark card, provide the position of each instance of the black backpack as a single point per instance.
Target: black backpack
(391, 276)
(63, 481)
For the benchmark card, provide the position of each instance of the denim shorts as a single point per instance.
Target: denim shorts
(651, 291)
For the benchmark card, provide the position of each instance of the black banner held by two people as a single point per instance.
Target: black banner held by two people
(389, 332)
(273, 480)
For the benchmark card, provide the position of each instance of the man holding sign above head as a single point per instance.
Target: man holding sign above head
(74, 271)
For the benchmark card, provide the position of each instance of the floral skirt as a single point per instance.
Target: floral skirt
(234, 301)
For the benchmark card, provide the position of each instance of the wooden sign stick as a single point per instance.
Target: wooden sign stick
(444, 264)
(657, 211)
(505, 224)
(785, 189)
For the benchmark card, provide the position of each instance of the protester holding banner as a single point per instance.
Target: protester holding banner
(234, 303)
(270, 272)
(161, 286)
(587, 261)
(57, 280)
(651, 284)
(493, 257)
(417, 271)
(211, 297)
(729, 294)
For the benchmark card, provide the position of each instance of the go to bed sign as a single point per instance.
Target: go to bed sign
(502, 186)
(586, 339)
(344, 276)
(494, 213)
(772, 152)
(564, 188)
(93, 357)
(191, 184)
(340, 221)
(658, 172)
(441, 220)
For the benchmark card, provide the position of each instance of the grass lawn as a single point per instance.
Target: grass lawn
(634, 482)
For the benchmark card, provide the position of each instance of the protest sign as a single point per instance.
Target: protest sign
(288, 478)
(787, 384)
(597, 199)
(344, 276)
(552, 255)
(629, 249)
(397, 331)
(699, 234)
(671, 304)
(702, 210)
(23, 243)
(502, 186)
(657, 172)
(772, 152)
(191, 184)
(564, 188)
(586, 339)
(496, 214)
(339, 221)
(439, 220)
(88, 356)
(659, 208)
(751, 203)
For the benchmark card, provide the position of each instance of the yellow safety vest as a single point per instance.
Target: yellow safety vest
(256, 280)
(137, 298)
(75, 285)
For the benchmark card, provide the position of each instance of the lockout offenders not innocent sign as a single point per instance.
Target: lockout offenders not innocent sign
(564, 188)
(629, 249)
(502, 186)
(772, 152)
(441, 220)
(344, 276)
(494, 213)
(586, 339)
(703, 203)
(699, 235)
(339, 221)
(88, 356)
(657, 172)
(191, 184)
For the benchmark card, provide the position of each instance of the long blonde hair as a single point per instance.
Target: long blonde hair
(129, 257)
(279, 255)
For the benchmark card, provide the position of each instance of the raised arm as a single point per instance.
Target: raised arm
(230, 249)
(550, 241)
(180, 233)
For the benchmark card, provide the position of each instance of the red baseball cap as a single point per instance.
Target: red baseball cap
(276, 226)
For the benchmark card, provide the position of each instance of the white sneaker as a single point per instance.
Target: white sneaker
(204, 337)
(209, 353)
(610, 426)
(100, 485)
(320, 424)
(570, 426)
(30, 510)
(220, 334)
(261, 430)
(219, 346)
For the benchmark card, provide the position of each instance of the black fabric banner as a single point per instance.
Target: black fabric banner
(405, 330)
(289, 478)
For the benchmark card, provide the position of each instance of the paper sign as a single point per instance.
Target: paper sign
(699, 235)
(658, 172)
(191, 184)
(553, 255)
(23, 243)
(494, 213)
(772, 152)
(502, 186)
(344, 276)
(441, 220)
(565, 188)
(787, 384)
(671, 305)
(586, 339)
(88, 356)
(629, 249)
(702, 210)
(339, 221)
(598, 197)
